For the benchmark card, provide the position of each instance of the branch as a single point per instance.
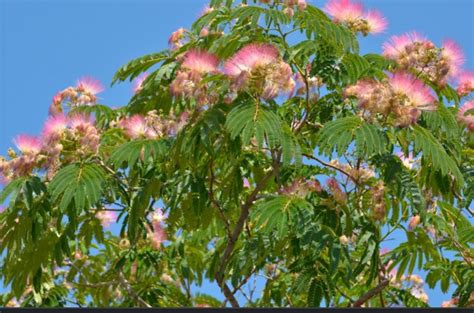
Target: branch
(331, 166)
(371, 293)
(216, 203)
(126, 285)
(219, 275)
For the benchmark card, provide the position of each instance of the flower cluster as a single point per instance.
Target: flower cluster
(408, 161)
(76, 135)
(361, 174)
(259, 69)
(333, 186)
(401, 96)
(84, 93)
(157, 234)
(138, 82)
(466, 83)
(378, 200)
(175, 40)
(353, 16)
(106, 217)
(466, 115)
(289, 6)
(301, 188)
(151, 126)
(188, 84)
(415, 53)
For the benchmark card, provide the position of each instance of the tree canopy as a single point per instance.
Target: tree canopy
(260, 145)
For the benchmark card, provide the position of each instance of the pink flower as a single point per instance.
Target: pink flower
(158, 216)
(89, 85)
(54, 127)
(134, 126)
(176, 36)
(80, 121)
(384, 251)
(200, 62)
(302, 5)
(466, 115)
(106, 217)
(246, 182)
(250, 57)
(414, 221)
(344, 10)
(466, 83)
(447, 304)
(28, 144)
(416, 91)
(158, 235)
(406, 160)
(453, 55)
(398, 44)
(138, 82)
(333, 186)
(376, 22)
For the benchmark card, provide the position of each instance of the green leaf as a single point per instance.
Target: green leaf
(130, 152)
(355, 67)
(81, 182)
(315, 293)
(435, 154)
(337, 135)
(370, 140)
(139, 65)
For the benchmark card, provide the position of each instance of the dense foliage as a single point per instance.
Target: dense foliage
(260, 145)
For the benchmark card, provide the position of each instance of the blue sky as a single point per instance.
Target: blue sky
(46, 45)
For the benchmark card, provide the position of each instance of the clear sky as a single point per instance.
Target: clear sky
(45, 45)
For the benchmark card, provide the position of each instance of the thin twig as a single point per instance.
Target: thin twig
(331, 166)
(371, 293)
(128, 287)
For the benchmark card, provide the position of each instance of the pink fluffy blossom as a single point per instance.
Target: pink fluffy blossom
(54, 127)
(135, 126)
(414, 221)
(28, 144)
(375, 21)
(158, 234)
(175, 39)
(138, 82)
(416, 91)
(89, 85)
(466, 115)
(250, 57)
(201, 62)
(466, 83)
(407, 161)
(453, 55)
(398, 44)
(344, 10)
(106, 217)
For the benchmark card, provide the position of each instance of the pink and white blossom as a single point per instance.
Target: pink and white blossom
(138, 82)
(416, 91)
(454, 57)
(106, 217)
(28, 144)
(344, 10)
(397, 44)
(54, 127)
(376, 22)
(251, 57)
(89, 85)
(466, 115)
(200, 61)
(465, 83)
